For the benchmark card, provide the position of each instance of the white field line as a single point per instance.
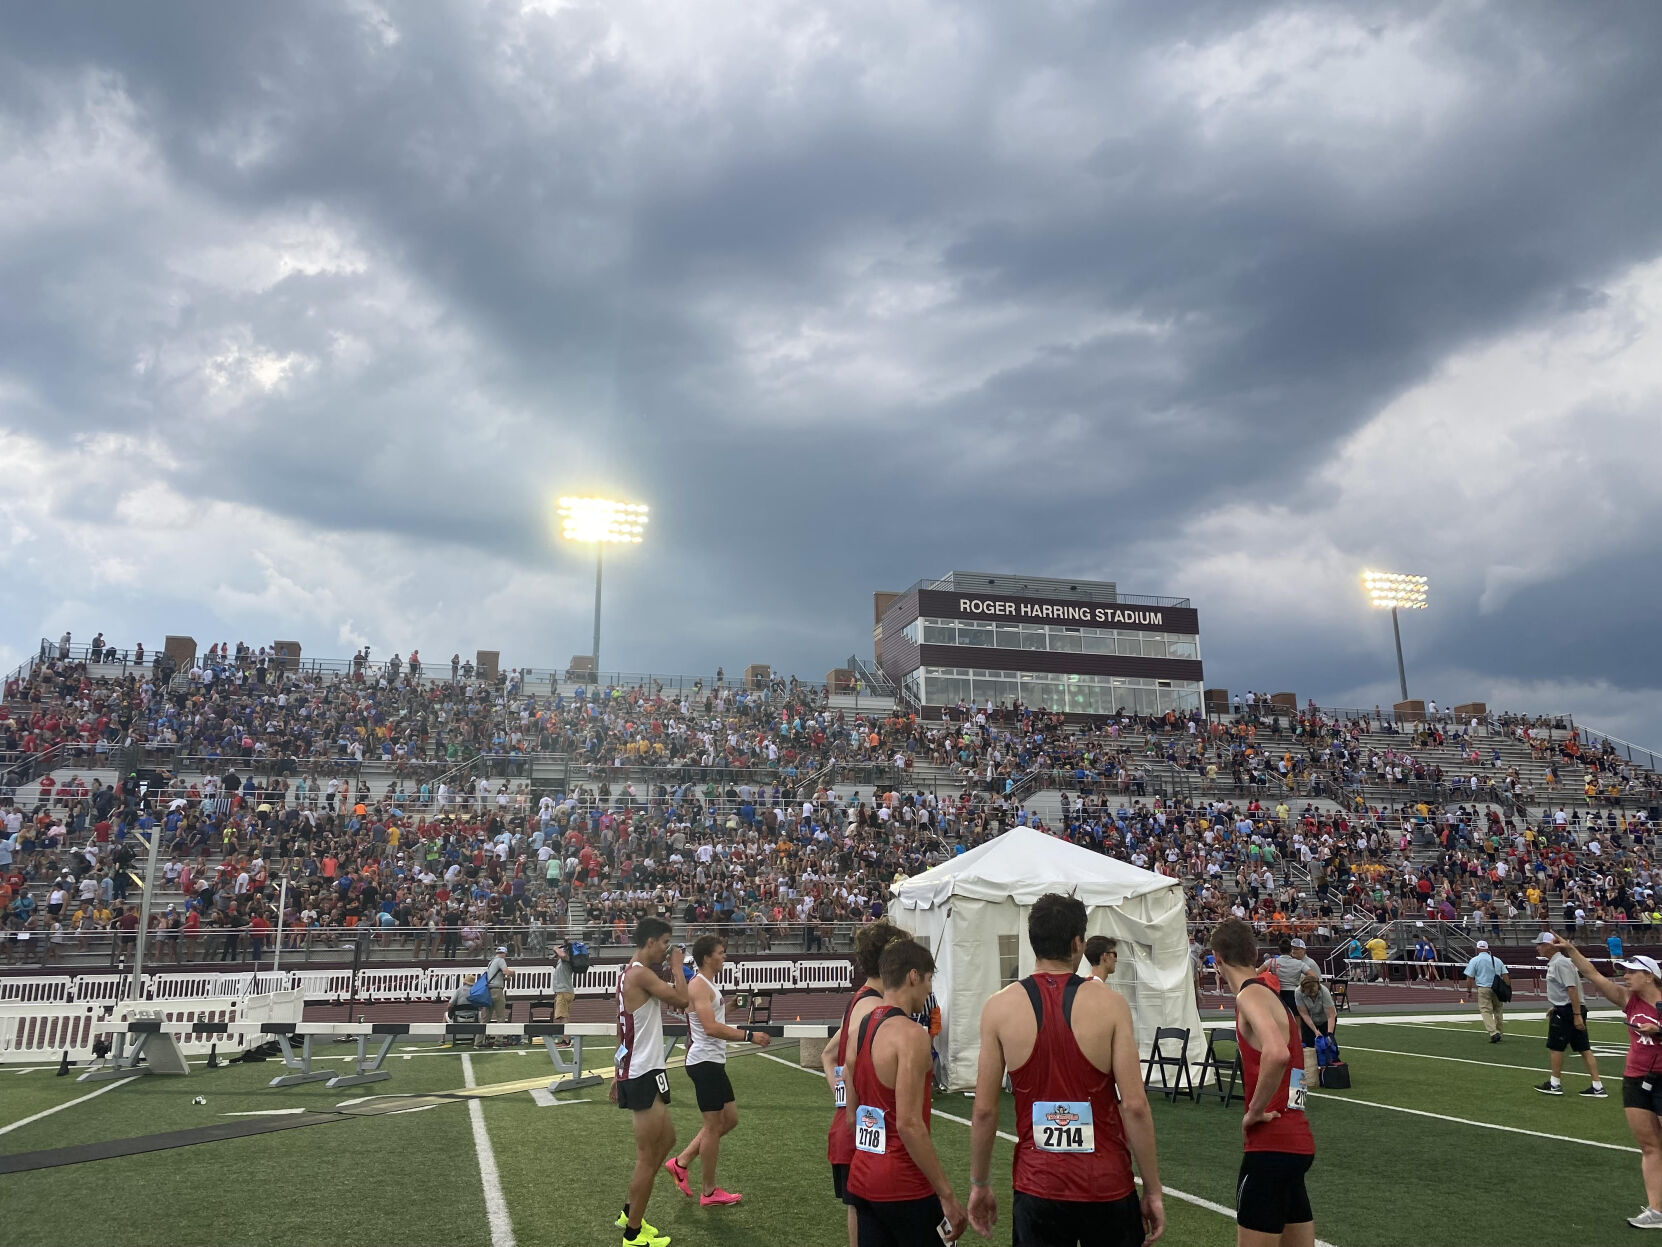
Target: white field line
(496, 1207)
(1467, 1121)
(1187, 1198)
(1462, 1060)
(1468, 1016)
(58, 1108)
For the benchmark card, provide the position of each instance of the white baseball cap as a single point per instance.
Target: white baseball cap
(501, 948)
(1546, 937)
(1640, 962)
(1483, 946)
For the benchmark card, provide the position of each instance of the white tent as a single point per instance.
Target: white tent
(972, 913)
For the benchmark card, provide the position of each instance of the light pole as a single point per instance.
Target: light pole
(1396, 591)
(600, 521)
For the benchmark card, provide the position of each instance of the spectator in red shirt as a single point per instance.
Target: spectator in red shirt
(259, 929)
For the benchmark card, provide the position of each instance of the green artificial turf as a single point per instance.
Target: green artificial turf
(1382, 1178)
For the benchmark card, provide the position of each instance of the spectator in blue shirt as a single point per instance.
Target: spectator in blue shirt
(1482, 971)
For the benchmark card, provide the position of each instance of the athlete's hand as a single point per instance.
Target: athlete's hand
(761, 1038)
(983, 1210)
(1154, 1216)
(1255, 1117)
(955, 1214)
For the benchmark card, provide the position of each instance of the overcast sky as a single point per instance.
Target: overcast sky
(307, 311)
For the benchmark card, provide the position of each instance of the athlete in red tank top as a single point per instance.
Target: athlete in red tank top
(1069, 1045)
(839, 1142)
(1290, 1130)
(1076, 1154)
(1638, 994)
(882, 1169)
(1272, 1204)
(900, 1191)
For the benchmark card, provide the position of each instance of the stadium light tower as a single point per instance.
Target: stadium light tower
(601, 521)
(1398, 592)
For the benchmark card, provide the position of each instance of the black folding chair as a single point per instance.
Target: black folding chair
(1340, 989)
(1160, 1059)
(1212, 1068)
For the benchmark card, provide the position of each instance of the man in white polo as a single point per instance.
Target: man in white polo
(1566, 1020)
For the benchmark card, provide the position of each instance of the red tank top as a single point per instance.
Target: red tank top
(1644, 1053)
(882, 1170)
(1289, 1132)
(839, 1143)
(1070, 1141)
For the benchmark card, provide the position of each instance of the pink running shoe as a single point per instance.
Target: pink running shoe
(719, 1196)
(680, 1176)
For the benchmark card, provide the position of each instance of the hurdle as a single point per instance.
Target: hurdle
(153, 1051)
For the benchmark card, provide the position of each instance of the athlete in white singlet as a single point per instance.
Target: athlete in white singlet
(642, 1082)
(709, 1035)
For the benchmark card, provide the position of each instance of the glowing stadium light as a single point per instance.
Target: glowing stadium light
(1394, 591)
(601, 522)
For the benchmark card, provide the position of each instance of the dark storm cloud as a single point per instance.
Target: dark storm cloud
(1200, 303)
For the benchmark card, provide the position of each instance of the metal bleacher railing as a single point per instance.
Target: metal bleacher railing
(533, 679)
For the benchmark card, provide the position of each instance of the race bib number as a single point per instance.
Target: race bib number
(663, 1083)
(839, 1091)
(870, 1135)
(1297, 1089)
(1063, 1126)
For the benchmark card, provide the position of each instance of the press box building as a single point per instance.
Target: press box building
(1077, 646)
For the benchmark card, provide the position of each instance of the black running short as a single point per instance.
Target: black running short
(710, 1085)
(640, 1094)
(1270, 1194)
(1069, 1223)
(839, 1184)
(899, 1222)
(1643, 1091)
(1562, 1032)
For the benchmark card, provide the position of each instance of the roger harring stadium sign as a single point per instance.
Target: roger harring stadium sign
(1049, 611)
(1008, 608)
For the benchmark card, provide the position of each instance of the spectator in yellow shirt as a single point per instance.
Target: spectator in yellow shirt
(1377, 950)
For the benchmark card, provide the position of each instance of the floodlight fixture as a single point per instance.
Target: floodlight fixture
(1396, 591)
(601, 522)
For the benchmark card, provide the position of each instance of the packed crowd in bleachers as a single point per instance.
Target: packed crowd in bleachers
(414, 807)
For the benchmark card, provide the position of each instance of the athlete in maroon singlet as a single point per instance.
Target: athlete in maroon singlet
(839, 1140)
(1639, 997)
(1272, 1207)
(901, 1192)
(1069, 1045)
(869, 943)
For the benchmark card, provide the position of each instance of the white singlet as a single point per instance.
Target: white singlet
(701, 1047)
(640, 1032)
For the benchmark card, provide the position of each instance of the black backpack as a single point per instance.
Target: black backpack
(577, 953)
(1502, 987)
